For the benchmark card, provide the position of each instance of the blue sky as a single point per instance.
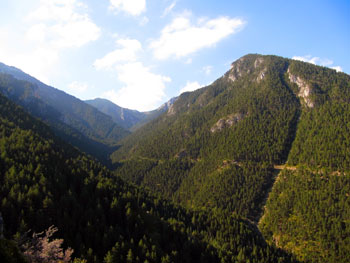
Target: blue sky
(141, 53)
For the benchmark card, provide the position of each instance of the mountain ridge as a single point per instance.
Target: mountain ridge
(259, 159)
(81, 124)
(218, 146)
(128, 119)
(104, 219)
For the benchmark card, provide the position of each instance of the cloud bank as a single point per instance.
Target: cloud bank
(131, 7)
(318, 61)
(181, 38)
(191, 86)
(142, 89)
(127, 52)
(52, 27)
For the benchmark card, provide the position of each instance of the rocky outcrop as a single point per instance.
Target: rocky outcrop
(258, 62)
(235, 71)
(229, 121)
(218, 126)
(171, 110)
(261, 75)
(304, 89)
(169, 106)
(240, 68)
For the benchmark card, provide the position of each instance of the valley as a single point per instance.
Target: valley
(254, 167)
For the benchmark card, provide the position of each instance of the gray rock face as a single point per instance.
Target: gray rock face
(229, 121)
(171, 110)
(239, 68)
(261, 76)
(258, 62)
(169, 106)
(304, 89)
(236, 70)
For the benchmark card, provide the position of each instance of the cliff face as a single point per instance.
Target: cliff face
(304, 89)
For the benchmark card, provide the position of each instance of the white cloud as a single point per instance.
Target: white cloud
(144, 21)
(38, 63)
(314, 60)
(132, 7)
(37, 33)
(36, 43)
(318, 61)
(190, 86)
(143, 89)
(168, 9)
(180, 38)
(338, 68)
(207, 69)
(61, 24)
(78, 87)
(188, 61)
(126, 53)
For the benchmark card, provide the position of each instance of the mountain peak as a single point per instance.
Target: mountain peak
(248, 64)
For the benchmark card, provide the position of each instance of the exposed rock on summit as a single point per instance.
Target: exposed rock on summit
(243, 66)
(236, 70)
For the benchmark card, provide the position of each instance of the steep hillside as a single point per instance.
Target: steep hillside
(75, 121)
(218, 147)
(308, 209)
(322, 139)
(231, 107)
(308, 213)
(243, 122)
(216, 151)
(44, 182)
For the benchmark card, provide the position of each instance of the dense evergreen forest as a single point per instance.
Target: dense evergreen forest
(71, 119)
(47, 182)
(308, 210)
(218, 146)
(189, 141)
(200, 183)
(308, 214)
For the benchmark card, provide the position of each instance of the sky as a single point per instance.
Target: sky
(141, 53)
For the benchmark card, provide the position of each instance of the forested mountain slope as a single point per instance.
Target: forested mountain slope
(308, 213)
(308, 209)
(322, 139)
(240, 125)
(45, 181)
(77, 122)
(73, 120)
(217, 147)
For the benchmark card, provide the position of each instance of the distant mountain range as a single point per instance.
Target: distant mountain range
(128, 119)
(93, 126)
